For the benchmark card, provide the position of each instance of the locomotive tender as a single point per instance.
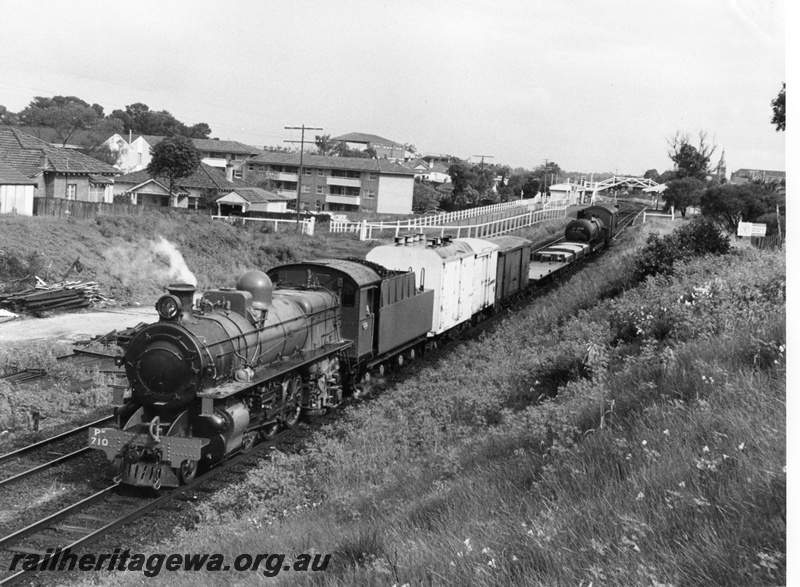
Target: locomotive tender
(220, 370)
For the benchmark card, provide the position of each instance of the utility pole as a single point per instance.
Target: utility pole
(482, 157)
(544, 190)
(302, 128)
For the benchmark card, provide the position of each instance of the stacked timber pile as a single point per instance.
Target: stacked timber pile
(66, 295)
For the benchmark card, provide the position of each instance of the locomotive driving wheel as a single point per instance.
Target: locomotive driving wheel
(293, 386)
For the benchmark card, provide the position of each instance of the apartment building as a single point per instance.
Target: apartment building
(340, 184)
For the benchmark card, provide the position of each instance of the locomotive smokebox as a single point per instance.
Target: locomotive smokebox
(185, 293)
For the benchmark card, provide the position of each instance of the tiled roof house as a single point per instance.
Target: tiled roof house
(148, 191)
(58, 172)
(134, 151)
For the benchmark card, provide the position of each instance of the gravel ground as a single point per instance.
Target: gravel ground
(74, 326)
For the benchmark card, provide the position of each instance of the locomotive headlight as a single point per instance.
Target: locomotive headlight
(168, 307)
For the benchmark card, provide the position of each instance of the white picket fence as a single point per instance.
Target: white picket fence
(306, 225)
(442, 222)
(480, 230)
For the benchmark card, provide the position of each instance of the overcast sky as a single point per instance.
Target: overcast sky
(595, 85)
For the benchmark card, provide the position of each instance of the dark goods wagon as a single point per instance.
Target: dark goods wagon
(513, 267)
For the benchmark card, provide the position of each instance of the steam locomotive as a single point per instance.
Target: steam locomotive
(225, 368)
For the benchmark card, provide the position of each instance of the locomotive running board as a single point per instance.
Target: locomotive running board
(267, 373)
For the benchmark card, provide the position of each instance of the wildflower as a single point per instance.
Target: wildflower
(486, 550)
(706, 449)
(492, 564)
(682, 485)
(644, 443)
(468, 545)
(666, 432)
(741, 446)
(514, 558)
(640, 496)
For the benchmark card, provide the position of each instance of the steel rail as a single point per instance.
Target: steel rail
(57, 437)
(47, 465)
(237, 459)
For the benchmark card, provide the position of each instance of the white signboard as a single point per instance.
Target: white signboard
(752, 229)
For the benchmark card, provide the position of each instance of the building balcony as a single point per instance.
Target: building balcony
(346, 182)
(287, 193)
(281, 176)
(350, 200)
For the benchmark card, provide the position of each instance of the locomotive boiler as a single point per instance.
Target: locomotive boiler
(211, 376)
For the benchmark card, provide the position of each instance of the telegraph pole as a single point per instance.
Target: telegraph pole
(302, 128)
(482, 158)
(544, 191)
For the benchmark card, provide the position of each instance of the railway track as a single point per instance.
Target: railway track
(106, 511)
(39, 456)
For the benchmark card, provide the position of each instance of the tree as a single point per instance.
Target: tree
(325, 145)
(690, 161)
(64, 114)
(667, 176)
(779, 110)
(651, 174)
(8, 117)
(728, 204)
(683, 192)
(425, 197)
(525, 184)
(140, 119)
(173, 158)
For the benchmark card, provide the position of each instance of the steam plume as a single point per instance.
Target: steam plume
(161, 262)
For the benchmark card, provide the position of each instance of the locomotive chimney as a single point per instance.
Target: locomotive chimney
(185, 293)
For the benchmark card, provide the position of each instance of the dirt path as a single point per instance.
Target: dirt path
(73, 326)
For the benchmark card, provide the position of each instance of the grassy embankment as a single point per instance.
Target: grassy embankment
(633, 439)
(128, 257)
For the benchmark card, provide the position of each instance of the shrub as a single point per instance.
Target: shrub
(699, 237)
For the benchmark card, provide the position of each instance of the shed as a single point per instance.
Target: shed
(16, 191)
(248, 199)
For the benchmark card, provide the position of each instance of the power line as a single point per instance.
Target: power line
(302, 128)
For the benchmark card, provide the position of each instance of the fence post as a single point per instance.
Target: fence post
(363, 233)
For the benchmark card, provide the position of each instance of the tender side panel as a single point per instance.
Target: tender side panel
(404, 321)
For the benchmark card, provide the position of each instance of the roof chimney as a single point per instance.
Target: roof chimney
(228, 170)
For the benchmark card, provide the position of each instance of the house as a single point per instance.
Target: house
(243, 200)
(568, 193)
(384, 148)
(747, 175)
(134, 152)
(144, 190)
(339, 184)
(431, 171)
(16, 191)
(58, 172)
